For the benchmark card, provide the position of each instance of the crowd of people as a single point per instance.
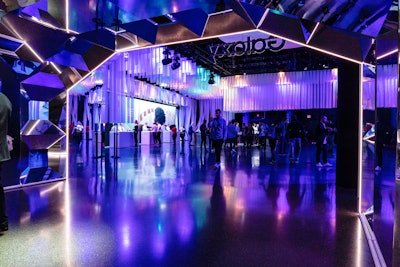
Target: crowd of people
(284, 137)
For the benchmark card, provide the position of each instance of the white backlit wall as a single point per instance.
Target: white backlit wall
(387, 86)
(280, 91)
(303, 90)
(121, 88)
(273, 91)
(368, 94)
(73, 108)
(208, 107)
(144, 112)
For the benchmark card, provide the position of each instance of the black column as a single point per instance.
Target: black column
(348, 113)
(10, 86)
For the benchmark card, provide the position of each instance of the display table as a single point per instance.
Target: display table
(125, 139)
(147, 138)
(166, 137)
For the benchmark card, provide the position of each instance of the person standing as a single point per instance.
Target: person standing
(154, 131)
(159, 132)
(231, 136)
(182, 134)
(245, 132)
(5, 114)
(203, 135)
(238, 133)
(379, 141)
(210, 144)
(190, 133)
(255, 133)
(218, 135)
(262, 135)
(322, 133)
(281, 135)
(78, 133)
(135, 132)
(295, 130)
(174, 132)
(249, 135)
(272, 140)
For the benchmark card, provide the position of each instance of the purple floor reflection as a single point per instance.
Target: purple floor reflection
(167, 206)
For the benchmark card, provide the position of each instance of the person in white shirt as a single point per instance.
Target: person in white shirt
(159, 131)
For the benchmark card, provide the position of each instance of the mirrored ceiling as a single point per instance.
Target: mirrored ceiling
(361, 16)
(193, 31)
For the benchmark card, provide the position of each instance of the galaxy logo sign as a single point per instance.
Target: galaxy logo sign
(249, 46)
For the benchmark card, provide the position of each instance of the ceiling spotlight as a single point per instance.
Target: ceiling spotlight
(176, 64)
(211, 80)
(167, 60)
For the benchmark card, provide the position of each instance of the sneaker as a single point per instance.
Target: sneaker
(378, 168)
(4, 226)
(319, 165)
(327, 164)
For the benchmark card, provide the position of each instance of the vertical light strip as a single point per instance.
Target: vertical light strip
(360, 140)
(373, 244)
(67, 15)
(360, 238)
(67, 137)
(67, 222)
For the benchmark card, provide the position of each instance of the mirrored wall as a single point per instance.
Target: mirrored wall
(43, 148)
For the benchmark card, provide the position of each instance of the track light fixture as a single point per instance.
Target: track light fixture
(176, 64)
(211, 79)
(167, 60)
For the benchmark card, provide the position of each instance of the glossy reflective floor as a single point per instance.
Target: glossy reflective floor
(167, 206)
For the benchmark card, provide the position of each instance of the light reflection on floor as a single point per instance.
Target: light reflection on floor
(166, 206)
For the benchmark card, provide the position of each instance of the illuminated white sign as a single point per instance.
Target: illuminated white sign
(250, 46)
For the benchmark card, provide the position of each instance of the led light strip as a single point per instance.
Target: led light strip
(387, 54)
(360, 139)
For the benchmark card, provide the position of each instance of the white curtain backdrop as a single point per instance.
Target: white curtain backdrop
(280, 91)
(303, 90)
(261, 92)
(207, 110)
(120, 88)
(387, 86)
(73, 108)
(368, 94)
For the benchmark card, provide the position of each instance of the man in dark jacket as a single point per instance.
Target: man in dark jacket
(295, 131)
(5, 113)
(218, 136)
(322, 133)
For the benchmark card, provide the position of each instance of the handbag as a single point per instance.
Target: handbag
(10, 143)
